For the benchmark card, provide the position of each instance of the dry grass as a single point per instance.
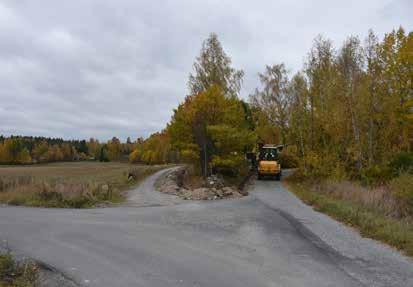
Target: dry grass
(377, 212)
(378, 198)
(80, 172)
(77, 185)
(16, 274)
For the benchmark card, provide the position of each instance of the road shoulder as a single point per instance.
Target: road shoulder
(46, 275)
(383, 262)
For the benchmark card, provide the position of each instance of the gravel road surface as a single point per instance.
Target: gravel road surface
(266, 239)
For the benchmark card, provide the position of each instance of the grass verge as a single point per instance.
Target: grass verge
(371, 222)
(70, 185)
(15, 274)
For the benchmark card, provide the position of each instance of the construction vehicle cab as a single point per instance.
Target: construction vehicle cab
(268, 161)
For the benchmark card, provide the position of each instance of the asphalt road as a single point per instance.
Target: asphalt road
(265, 239)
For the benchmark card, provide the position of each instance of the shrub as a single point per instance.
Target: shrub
(6, 265)
(375, 175)
(15, 274)
(231, 165)
(312, 166)
(288, 160)
(318, 166)
(402, 189)
(189, 155)
(288, 157)
(402, 162)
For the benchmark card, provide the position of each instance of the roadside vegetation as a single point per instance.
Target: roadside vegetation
(16, 274)
(352, 124)
(74, 185)
(382, 213)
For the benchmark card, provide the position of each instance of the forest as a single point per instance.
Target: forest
(346, 114)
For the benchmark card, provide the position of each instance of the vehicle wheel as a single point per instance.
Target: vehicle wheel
(278, 176)
(259, 176)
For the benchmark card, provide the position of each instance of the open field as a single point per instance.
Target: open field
(71, 184)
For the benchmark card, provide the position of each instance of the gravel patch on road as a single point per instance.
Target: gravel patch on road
(385, 265)
(145, 195)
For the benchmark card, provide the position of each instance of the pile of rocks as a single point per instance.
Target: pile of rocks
(206, 193)
(169, 184)
(214, 188)
(215, 181)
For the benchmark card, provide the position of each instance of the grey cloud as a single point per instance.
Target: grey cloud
(79, 69)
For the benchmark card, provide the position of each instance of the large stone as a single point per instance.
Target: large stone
(170, 188)
(215, 181)
(243, 192)
(236, 194)
(219, 193)
(227, 191)
(200, 193)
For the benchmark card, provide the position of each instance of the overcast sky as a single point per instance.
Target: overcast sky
(80, 69)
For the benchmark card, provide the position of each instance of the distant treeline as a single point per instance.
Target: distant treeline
(31, 150)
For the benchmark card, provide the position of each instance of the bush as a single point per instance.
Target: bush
(232, 165)
(6, 265)
(402, 189)
(401, 163)
(319, 166)
(190, 156)
(14, 274)
(375, 175)
(288, 160)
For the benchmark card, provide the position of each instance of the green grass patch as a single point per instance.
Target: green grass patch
(371, 222)
(15, 274)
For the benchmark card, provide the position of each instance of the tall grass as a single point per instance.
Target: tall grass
(383, 212)
(99, 184)
(57, 194)
(379, 198)
(16, 274)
